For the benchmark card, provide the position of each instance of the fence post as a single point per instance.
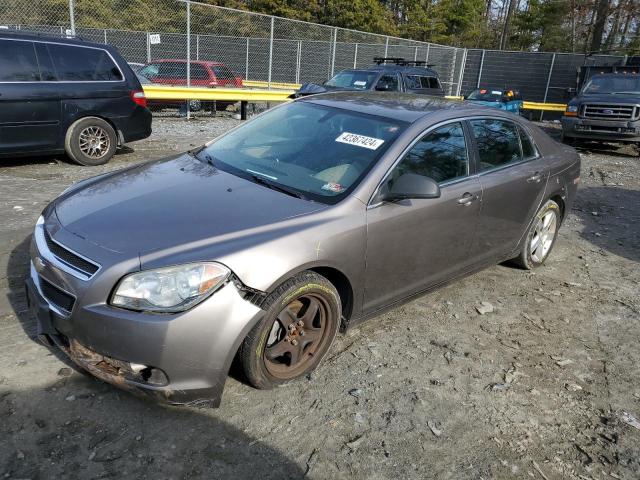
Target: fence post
(453, 70)
(72, 17)
(333, 52)
(463, 64)
(197, 47)
(298, 60)
(355, 57)
(386, 46)
(481, 65)
(546, 89)
(105, 36)
(148, 48)
(188, 54)
(415, 55)
(246, 62)
(271, 52)
(426, 58)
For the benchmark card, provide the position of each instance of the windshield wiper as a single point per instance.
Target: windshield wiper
(198, 153)
(276, 186)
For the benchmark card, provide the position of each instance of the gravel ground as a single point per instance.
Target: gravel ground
(537, 388)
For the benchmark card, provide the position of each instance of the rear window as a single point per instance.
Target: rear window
(223, 72)
(18, 62)
(83, 64)
(416, 82)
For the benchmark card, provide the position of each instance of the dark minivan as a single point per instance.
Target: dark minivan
(67, 95)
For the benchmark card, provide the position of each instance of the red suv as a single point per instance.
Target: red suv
(202, 73)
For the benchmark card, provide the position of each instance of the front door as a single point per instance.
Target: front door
(414, 244)
(513, 176)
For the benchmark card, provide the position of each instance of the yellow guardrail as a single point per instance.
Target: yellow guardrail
(550, 107)
(277, 85)
(160, 92)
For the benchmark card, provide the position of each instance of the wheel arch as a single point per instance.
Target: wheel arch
(85, 115)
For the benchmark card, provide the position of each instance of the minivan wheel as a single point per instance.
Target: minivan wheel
(90, 141)
(303, 316)
(541, 236)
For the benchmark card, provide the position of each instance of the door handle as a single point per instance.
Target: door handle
(536, 177)
(466, 199)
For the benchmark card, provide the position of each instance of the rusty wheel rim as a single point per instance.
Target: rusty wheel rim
(297, 337)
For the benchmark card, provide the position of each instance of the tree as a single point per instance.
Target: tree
(600, 17)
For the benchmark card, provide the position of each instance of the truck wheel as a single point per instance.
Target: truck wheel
(303, 316)
(90, 141)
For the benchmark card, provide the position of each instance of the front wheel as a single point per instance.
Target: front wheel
(303, 316)
(541, 236)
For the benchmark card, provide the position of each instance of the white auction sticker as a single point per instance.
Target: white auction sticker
(360, 140)
(359, 83)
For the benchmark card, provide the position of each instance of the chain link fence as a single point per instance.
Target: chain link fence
(272, 49)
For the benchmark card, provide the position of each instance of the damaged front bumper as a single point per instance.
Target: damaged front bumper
(179, 358)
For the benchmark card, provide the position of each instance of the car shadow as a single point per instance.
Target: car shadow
(76, 428)
(611, 219)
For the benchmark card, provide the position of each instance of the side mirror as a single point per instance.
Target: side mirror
(569, 93)
(412, 185)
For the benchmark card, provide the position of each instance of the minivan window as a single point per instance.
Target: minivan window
(18, 62)
(440, 154)
(47, 72)
(82, 64)
(498, 142)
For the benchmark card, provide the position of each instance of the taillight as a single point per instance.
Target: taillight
(139, 98)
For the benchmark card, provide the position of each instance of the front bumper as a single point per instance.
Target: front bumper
(605, 130)
(180, 358)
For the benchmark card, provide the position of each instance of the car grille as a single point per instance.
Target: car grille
(57, 297)
(69, 258)
(611, 112)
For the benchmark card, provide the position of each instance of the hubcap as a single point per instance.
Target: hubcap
(296, 337)
(543, 236)
(94, 142)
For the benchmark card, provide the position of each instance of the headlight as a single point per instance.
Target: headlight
(170, 289)
(571, 110)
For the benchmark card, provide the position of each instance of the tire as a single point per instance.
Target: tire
(534, 253)
(90, 141)
(195, 105)
(292, 327)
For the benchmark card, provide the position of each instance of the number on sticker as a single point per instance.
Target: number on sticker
(360, 140)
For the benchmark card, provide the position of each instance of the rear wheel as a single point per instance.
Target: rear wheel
(303, 316)
(90, 141)
(541, 237)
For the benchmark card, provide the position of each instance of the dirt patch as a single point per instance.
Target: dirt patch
(541, 385)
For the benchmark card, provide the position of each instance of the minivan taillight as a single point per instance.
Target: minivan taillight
(139, 97)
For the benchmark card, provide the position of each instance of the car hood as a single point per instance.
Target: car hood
(167, 203)
(607, 98)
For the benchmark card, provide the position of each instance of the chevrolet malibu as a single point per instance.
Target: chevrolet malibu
(263, 243)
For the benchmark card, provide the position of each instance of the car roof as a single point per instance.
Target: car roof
(10, 35)
(615, 74)
(409, 70)
(406, 107)
(182, 60)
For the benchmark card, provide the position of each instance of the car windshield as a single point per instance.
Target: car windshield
(612, 85)
(486, 95)
(353, 79)
(304, 149)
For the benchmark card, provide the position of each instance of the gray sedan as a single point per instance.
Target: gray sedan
(263, 243)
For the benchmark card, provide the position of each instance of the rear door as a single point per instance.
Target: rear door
(513, 176)
(29, 106)
(418, 243)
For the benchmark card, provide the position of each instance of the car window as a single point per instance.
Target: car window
(47, 72)
(355, 79)
(391, 81)
(223, 72)
(440, 154)
(321, 151)
(150, 71)
(529, 149)
(412, 82)
(416, 82)
(174, 70)
(434, 82)
(18, 62)
(74, 63)
(199, 72)
(498, 142)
